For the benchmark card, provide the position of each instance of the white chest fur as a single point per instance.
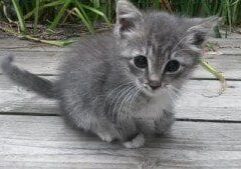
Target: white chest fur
(153, 111)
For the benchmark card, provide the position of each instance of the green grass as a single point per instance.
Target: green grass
(54, 13)
(229, 10)
(19, 14)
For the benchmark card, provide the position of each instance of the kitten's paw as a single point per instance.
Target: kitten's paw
(163, 125)
(136, 142)
(106, 137)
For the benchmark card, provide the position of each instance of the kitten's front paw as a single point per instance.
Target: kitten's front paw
(105, 136)
(164, 124)
(136, 142)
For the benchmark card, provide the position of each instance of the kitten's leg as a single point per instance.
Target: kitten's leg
(106, 131)
(131, 135)
(102, 127)
(164, 123)
(136, 142)
(91, 123)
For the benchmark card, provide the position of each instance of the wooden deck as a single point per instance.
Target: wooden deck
(207, 133)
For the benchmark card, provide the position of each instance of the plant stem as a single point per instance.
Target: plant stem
(216, 73)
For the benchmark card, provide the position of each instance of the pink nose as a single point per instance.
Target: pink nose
(155, 84)
(154, 81)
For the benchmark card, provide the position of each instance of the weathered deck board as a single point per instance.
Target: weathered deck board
(45, 141)
(64, 165)
(39, 62)
(48, 63)
(211, 138)
(47, 60)
(14, 44)
(233, 41)
(15, 99)
(227, 42)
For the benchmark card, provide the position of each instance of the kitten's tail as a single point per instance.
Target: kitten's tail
(26, 79)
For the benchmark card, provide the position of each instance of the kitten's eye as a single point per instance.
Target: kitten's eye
(172, 66)
(140, 61)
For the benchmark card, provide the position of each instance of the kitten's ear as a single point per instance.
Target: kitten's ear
(128, 19)
(198, 33)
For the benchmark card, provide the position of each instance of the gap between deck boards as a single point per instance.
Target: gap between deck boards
(192, 78)
(177, 119)
(203, 108)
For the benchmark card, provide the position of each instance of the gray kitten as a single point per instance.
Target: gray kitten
(121, 85)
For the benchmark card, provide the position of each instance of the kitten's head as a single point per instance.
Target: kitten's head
(159, 49)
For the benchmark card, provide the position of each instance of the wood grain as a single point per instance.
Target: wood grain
(46, 141)
(43, 63)
(227, 42)
(47, 61)
(15, 44)
(198, 100)
(206, 135)
(37, 62)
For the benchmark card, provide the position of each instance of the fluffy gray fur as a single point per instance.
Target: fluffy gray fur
(101, 90)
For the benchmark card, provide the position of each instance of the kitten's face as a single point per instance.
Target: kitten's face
(154, 67)
(159, 50)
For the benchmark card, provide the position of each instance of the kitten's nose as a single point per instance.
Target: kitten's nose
(155, 82)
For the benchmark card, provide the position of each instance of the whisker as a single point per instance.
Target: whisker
(168, 91)
(173, 92)
(184, 50)
(115, 91)
(179, 42)
(119, 86)
(119, 100)
(125, 96)
(112, 101)
(175, 89)
(133, 97)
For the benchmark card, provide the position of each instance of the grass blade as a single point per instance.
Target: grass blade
(80, 7)
(229, 17)
(98, 13)
(19, 15)
(36, 16)
(51, 4)
(60, 14)
(83, 19)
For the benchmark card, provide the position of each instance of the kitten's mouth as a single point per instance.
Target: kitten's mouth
(150, 90)
(155, 87)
